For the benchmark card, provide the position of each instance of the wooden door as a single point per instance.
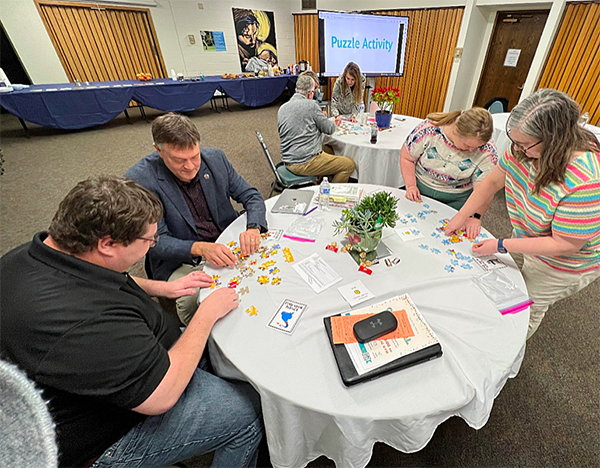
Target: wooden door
(102, 43)
(513, 44)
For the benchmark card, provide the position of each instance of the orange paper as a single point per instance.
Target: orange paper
(342, 327)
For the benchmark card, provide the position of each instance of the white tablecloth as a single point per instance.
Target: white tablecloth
(377, 163)
(308, 412)
(499, 136)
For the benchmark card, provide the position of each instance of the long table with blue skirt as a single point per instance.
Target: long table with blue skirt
(72, 106)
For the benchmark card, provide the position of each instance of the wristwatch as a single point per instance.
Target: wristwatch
(476, 216)
(253, 226)
(501, 248)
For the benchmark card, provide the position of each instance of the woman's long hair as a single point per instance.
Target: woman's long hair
(473, 123)
(551, 117)
(353, 70)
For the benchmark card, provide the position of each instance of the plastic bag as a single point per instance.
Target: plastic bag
(503, 293)
(305, 229)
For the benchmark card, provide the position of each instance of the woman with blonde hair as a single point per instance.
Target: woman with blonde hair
(446, 156)
(551, 176)
(347, 95)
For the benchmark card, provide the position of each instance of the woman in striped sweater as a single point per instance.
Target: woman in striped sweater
(551, 174)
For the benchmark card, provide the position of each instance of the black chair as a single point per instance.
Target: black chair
(284, 178)
(497, 105)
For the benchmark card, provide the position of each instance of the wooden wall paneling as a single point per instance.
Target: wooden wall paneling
(147, 57)
(580, 41)
(93, 43)
(441, 64)
(124, 44)
(47, 16)
(591, 82)
(128, 45)
(449, 47)
(551, 68)
(67, 34)
(573, 65)
(412, 76)
(76, 44)
(428, 65)
(138, 50)
(109, 69)
(111, 41)
(145, 45)
(588, 51)
(571, 39)
(162, 69)
(96, 41)
(436, 54)
(69, 52)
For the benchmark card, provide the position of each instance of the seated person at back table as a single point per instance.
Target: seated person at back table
(195, 186)
(123, 383)
(347, 94)
(318, 93)
(446, 156)
(301, 125)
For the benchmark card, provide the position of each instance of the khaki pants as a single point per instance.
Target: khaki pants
(186, 305)
(325, 164)
(546, 285)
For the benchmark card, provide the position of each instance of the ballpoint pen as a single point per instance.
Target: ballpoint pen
(310, 211)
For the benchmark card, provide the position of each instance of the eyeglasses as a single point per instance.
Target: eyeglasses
(517, 145)
(152, 240)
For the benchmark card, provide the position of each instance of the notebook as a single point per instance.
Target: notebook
(293, 201)
(358, 362)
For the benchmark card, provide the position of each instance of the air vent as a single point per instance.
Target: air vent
(309, 4)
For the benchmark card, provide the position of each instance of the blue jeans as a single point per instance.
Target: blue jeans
(213, 414)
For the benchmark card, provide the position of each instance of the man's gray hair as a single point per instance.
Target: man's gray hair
(305, 85)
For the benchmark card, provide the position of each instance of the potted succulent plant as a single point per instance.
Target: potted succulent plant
(385, 99)
(364, 223)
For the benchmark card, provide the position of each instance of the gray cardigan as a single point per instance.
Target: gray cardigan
(301, 125)
(344, 104)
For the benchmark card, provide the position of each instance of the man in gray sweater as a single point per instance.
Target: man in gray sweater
(301, 126)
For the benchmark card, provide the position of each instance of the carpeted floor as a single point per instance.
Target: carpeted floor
(548, 416)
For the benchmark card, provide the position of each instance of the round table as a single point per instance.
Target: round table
(308, 412)
(377, 163)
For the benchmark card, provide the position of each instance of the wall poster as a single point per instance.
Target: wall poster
(255, 32)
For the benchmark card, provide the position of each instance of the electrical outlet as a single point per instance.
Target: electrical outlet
(192, 38)
(200, 6)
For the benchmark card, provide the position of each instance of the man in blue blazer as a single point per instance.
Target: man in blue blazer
(195, 187)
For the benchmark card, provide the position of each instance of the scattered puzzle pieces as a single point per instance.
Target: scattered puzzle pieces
(263, 279)
(252, 311)
(276, 281)
(288, 255)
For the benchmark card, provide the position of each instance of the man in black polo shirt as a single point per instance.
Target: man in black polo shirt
(122, 381)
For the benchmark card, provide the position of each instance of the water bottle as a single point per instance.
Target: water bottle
(361, 114)
(324, 190)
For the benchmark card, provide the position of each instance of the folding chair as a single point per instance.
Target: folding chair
(284, 178)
